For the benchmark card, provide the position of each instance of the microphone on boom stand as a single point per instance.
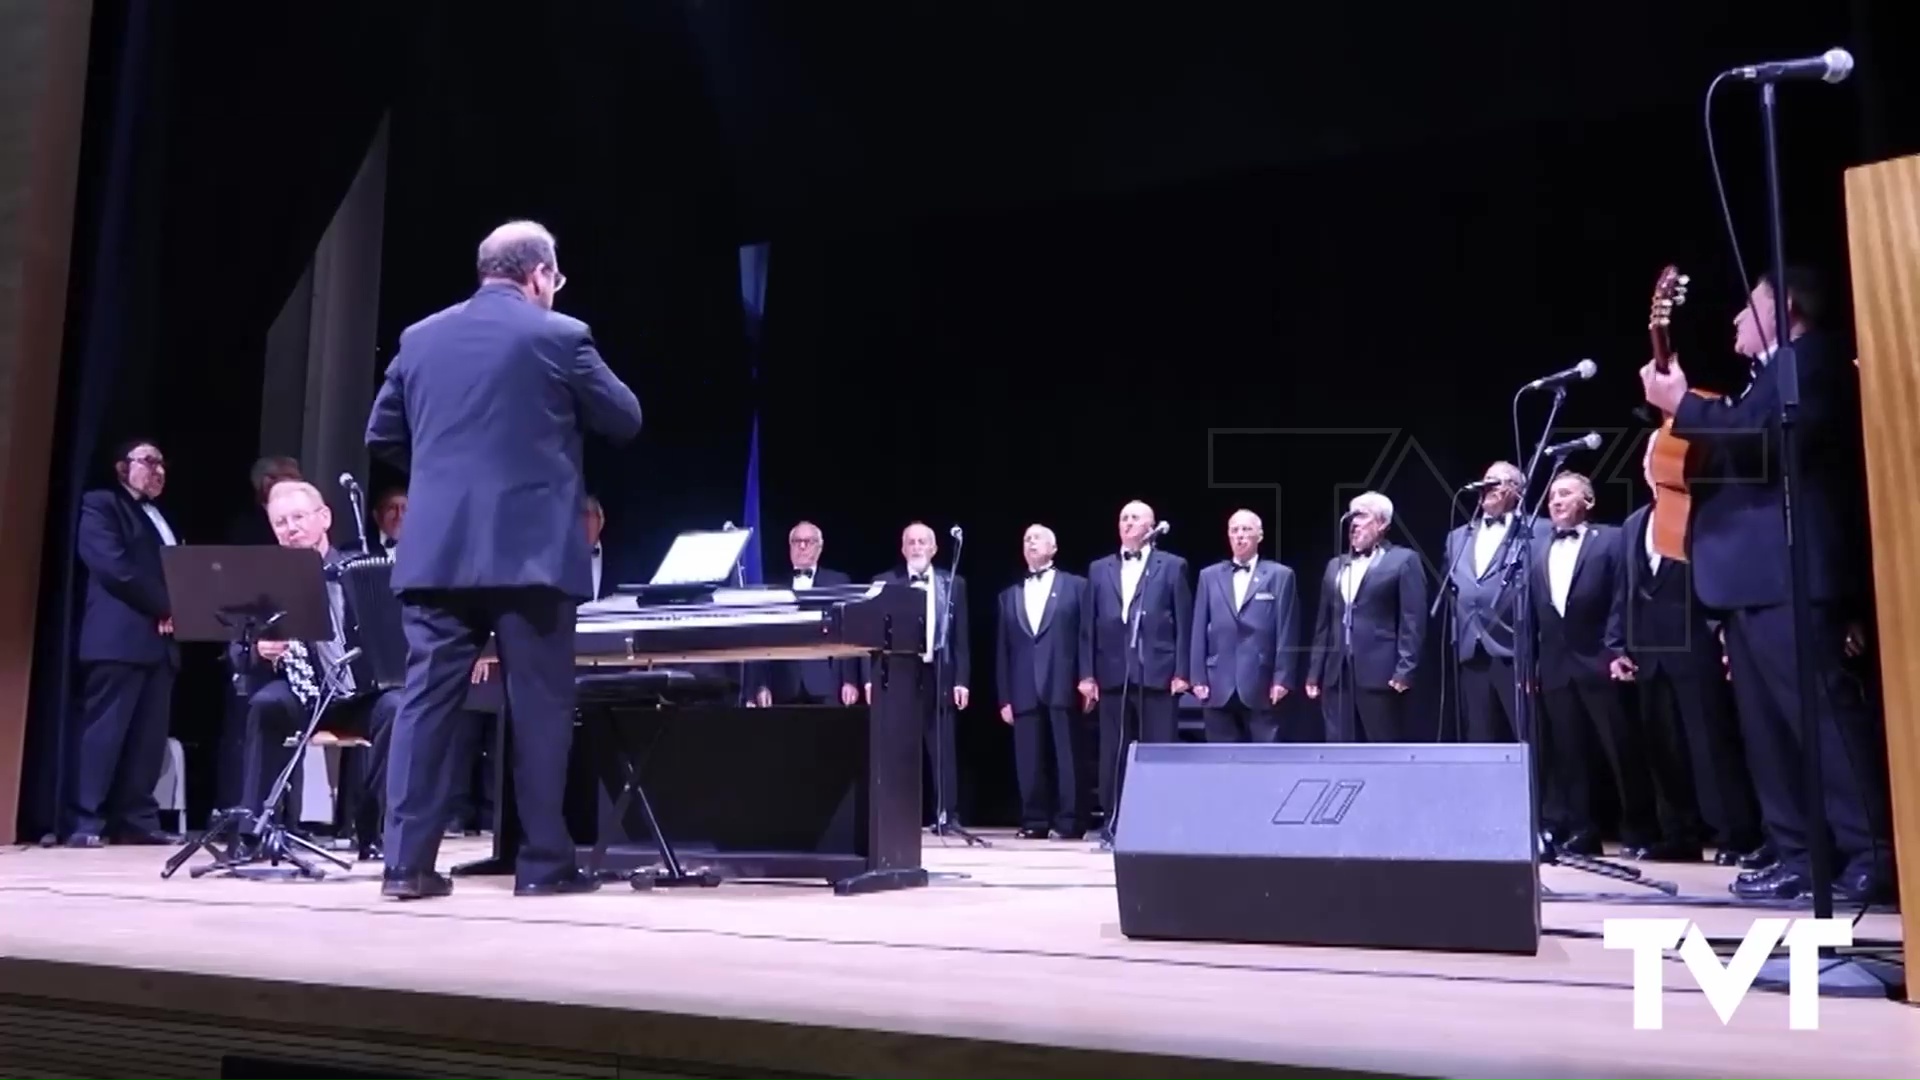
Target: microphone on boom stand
(943, 706)
(358, 500)
(1129, 686)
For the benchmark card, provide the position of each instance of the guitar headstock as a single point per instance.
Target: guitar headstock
(1669, 292)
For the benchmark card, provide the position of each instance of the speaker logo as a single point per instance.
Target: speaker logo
(1318, 802)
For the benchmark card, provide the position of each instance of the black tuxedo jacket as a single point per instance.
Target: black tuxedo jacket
(1040, 665)
(126, 590)
(1164, 599)
(1389, 621)
(1483, 604)
(1737, 539)
(1663, 626)
(1245, 649)
(787, 679)
(1579, 646)
(485, 407)
(958, 652)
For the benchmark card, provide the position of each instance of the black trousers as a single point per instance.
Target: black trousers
(1486, 699)
(1766, 687)
(1574, 717)
(446, 628)
(274, 714)
(938, 721)
(1142, 714)
(1695, 748)
(1234, 720)
(471, 765)
(1365, 715)
(124, 713)
(1054, 791)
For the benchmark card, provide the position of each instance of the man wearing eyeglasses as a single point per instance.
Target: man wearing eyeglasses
(127, 656)
(805, 682)
(486, 406)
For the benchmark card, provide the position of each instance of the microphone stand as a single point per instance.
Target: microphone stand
(1129, 686)
(1519, 572)
(1837, 975)
(358, 501)
(943, 710)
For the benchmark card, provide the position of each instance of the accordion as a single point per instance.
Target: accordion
(367, 581)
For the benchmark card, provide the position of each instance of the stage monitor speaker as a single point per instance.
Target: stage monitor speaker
(1384, 846)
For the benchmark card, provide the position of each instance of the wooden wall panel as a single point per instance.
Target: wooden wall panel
(1883, 238)
(43, 74)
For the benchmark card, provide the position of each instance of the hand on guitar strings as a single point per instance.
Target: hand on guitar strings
(1664, 390)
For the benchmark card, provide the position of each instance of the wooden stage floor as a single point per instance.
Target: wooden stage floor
(1010, 964)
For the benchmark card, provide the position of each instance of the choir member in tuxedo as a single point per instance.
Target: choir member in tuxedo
(1673, 660)
(1139, 583)
(389, 514)
(805, 682)
(127, 656)
(1578, 629)
(1245, 620)
(301, 519)
(946, 659)
(1037, 675)
(1737, 546)
(1477, 556)
(1375, 597)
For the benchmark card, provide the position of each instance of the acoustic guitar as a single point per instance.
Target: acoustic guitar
(1668, 455)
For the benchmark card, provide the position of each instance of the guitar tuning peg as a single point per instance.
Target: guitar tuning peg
(1684, 279)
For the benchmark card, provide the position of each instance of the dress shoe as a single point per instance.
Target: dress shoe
(372, 853)
(414, 884)
(1778, 883)
(1033, 834)
(568, 883)
(1862, 887)
(1071, 834)
(86, 840)
(1664, 851)
(146, 838)
(1759, 858)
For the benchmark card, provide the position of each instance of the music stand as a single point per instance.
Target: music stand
(240, 595)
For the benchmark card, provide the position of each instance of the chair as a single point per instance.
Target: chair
(171, 791)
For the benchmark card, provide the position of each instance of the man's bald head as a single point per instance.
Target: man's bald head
(525, 254)
(1244, 532)
(1136, 521)
(1039, 546)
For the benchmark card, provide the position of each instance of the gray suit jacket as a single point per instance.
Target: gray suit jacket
(484, 407)
(1483, 613)
(1245, 650)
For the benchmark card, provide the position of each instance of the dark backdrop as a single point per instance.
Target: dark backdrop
(1027, 262)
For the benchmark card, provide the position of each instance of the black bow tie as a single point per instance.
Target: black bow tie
(1133, 555)
(917, 579)
(1036, 575)
(1566, 534)
(596, 551)
(798, 574)
(1243, 568)
(1495, 522)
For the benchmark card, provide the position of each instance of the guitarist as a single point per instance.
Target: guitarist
(301, 519)
(1737, 544)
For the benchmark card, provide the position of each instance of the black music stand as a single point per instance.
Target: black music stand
(240, 595)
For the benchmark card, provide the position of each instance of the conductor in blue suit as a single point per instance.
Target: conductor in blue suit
(485, 406)
(1246, 618)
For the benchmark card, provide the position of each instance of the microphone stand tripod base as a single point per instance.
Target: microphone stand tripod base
(1840, 976)
(945, 828)
(1552, 855)
(239, 844)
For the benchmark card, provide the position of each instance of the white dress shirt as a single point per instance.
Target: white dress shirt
(932, 613)
(803, 578)
(1486, 542)
(1561, 556)
(1353, 573)
(1242, 581)
(1130, 571)
(1646, 538)
(1038, 587)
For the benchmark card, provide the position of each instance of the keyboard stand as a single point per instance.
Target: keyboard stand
(670, 873)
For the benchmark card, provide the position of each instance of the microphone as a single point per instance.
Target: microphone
(726, 526)
(1482, 485)
(1161, 529)
(956, 533)
(358, 499)
(1579, 372)
(1589, 441)
(1831, 66)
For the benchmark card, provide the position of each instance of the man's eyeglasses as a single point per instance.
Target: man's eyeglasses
(559, 279)
(149, 462)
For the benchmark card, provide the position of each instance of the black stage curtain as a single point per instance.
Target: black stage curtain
(220, 137)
